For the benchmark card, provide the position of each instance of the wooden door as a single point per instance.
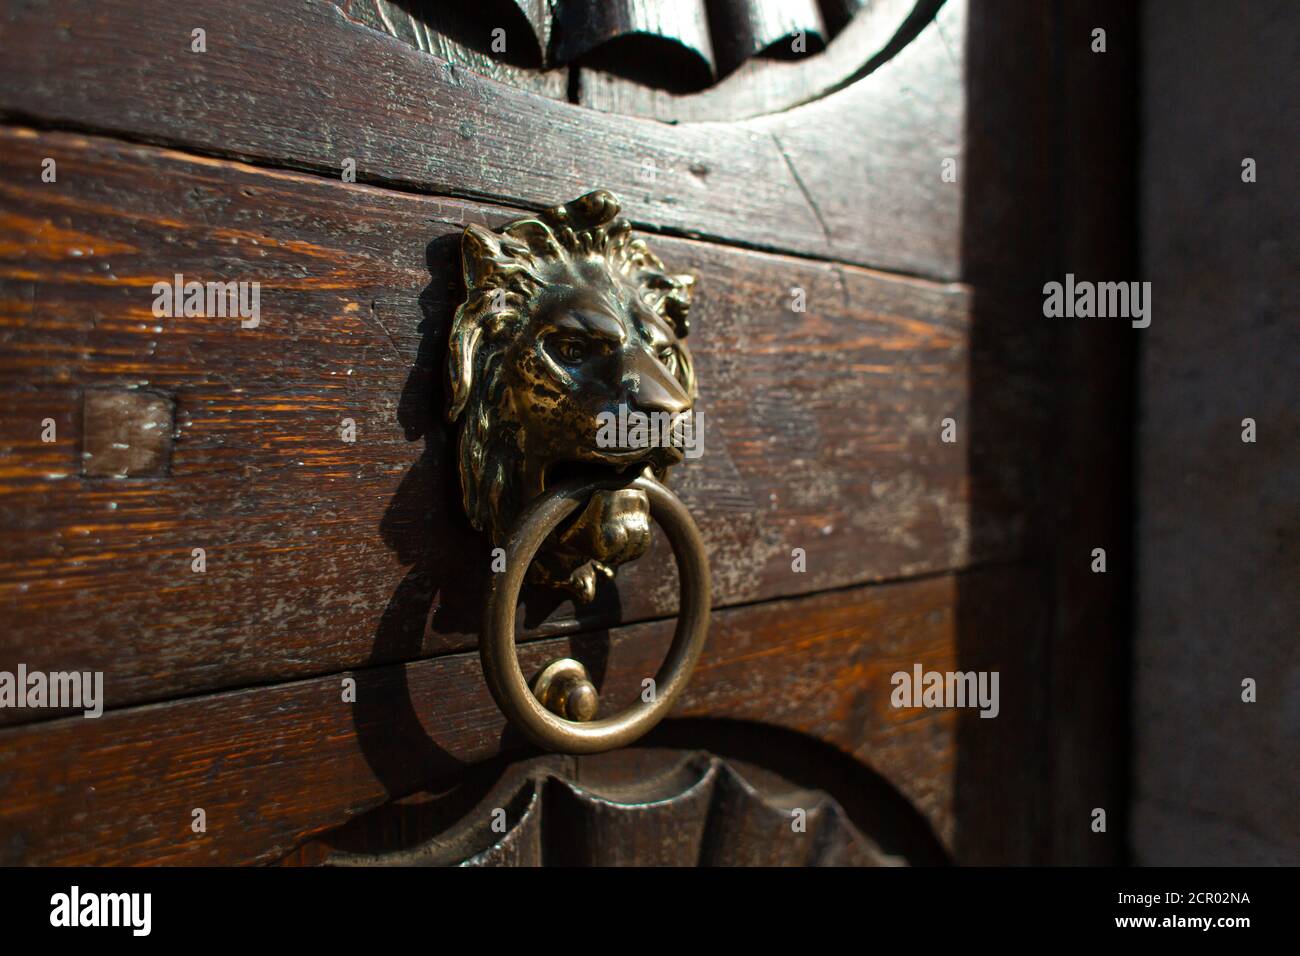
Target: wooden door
(896, 478)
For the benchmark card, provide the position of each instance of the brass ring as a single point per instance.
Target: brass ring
(499, 654)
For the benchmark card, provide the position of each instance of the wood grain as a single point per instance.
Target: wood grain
(855, 176)
(822, 427)
(273, 766)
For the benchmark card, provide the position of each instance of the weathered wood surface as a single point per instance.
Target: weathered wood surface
(855, 176)
(823, 429)
(273, 766)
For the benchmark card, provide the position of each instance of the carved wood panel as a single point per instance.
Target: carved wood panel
(670, 59)
(639, 807)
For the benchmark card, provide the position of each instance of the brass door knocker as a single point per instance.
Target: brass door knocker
(570, 329)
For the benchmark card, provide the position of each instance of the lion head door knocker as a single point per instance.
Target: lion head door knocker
(575, 391)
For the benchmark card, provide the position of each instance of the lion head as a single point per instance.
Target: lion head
(566, 318)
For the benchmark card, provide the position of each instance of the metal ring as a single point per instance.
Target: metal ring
(499, 654)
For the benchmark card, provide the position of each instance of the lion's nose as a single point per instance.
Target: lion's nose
(654, 388)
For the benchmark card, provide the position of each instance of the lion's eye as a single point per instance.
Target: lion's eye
(668, 355)
(571, 350)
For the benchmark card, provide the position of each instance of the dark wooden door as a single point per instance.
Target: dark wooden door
(286, 620)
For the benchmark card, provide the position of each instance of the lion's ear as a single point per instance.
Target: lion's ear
(536, 236)
(484, 254)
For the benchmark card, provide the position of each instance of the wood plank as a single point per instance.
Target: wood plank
(1049, 168)
(822, 428)
(1091, 649)
(272, 766)
(855, 176)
